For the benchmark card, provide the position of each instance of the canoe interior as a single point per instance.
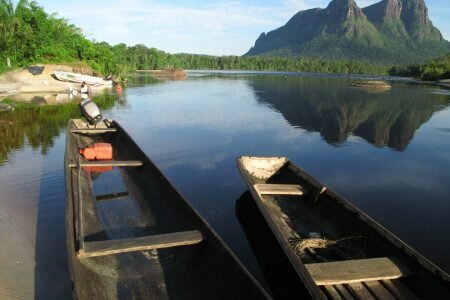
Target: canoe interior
(324, 227)
(146, 205)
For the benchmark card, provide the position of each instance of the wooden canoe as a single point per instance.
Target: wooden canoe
(337, 251)
(131, 235)
(79, 78)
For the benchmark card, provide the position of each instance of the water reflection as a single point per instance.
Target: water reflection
(45, 98)
(39, 126)
(337, 110)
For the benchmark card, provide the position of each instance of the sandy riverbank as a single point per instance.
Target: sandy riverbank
(21, 81)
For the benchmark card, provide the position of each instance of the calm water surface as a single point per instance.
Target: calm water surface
(387, 152)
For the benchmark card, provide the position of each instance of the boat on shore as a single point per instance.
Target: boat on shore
(131, 235)
(79, 78)
(337, 251)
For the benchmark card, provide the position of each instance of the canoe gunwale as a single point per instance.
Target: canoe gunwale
(299, 267)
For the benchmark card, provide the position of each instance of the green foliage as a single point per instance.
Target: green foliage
(405, 71)
(29, 35)
(263, 63)
(435, 69)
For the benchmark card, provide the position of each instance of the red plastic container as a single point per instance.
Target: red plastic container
(98, 151)
(98, 169)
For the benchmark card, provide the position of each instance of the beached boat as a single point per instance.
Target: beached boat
(131, 235)
(337, 251)
(79, 78)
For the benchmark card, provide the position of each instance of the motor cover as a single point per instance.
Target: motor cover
(91, 111)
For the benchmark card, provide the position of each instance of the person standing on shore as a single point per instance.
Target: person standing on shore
(84, 90)
(118, 88)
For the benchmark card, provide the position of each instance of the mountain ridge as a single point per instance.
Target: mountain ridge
(388, 32)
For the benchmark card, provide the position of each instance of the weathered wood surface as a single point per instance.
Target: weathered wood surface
(80, 209)
(344, 293)
(278, 189)
(109, 247)
(93, 130)
(357, 270)
(379, 290)
(154, 206)
(322, 210)
(359, 291)
(399, 290)
(114, 196)
(109, 163)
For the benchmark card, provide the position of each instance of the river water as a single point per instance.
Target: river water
(388, 152)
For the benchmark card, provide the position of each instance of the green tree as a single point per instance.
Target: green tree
(10, 26)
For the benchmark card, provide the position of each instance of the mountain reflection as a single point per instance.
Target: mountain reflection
(337, 110)
(38, 126)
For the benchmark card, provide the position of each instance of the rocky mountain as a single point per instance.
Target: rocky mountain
(389, 32)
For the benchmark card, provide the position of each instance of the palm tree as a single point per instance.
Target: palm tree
(10, 24)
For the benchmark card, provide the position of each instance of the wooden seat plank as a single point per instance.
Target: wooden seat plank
(109, 163)
(380, 292)
(93, 130)
(278, 189)
(398, 289)
(357, 270)
(109, 247)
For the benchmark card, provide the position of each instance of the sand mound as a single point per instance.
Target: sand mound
(23, 81)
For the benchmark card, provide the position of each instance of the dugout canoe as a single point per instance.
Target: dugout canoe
(79, 78)
(131, 235)
(337, 251)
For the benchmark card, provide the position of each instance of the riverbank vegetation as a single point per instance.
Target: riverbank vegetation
(435, 69)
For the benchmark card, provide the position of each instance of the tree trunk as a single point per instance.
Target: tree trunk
(8, 62)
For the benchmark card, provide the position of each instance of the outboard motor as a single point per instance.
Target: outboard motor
(91, 111)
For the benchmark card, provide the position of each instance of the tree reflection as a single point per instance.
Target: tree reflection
(38, 126)
(336, 110)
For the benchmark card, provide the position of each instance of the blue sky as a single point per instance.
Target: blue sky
(217, 27)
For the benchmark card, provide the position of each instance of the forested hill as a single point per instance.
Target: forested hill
(391, 32)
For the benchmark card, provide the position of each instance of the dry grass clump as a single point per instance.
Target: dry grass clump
(321, 249)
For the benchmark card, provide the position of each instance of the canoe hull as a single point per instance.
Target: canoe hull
(151, 206)
(325, 218)
(79, 78)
